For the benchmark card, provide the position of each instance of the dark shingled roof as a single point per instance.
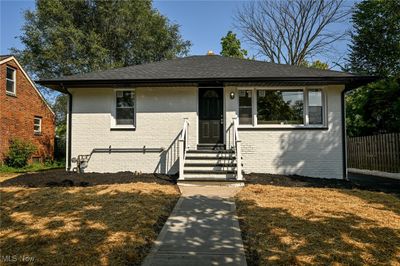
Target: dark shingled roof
(2, 57)
(201, 69)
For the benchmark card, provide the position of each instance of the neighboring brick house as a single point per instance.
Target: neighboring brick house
(24, 113)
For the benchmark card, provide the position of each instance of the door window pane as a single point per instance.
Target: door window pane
(315, 110)
(245, 107)
(280, 107)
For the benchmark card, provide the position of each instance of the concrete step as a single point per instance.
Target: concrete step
(216, 176)
(212, 172)
(210, 161)
(209, 155)
(210, 151)
(212, 183)
(209, 167)
(211, 146)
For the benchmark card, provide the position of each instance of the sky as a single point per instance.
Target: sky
(202, 22)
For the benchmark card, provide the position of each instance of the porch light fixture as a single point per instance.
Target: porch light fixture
(232, 95)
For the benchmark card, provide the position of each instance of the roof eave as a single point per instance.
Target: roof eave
(351, 82)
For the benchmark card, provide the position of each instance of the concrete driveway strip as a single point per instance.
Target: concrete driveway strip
(203, 229)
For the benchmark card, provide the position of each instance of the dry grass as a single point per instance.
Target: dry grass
(101, 225)
(308, 226)
(5, 176)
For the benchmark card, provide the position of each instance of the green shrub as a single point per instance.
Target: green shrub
(19, 153)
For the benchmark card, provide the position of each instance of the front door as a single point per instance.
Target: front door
(211, 116)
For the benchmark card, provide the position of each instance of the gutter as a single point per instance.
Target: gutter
(69, 127)
(344, 140)
(353, 81)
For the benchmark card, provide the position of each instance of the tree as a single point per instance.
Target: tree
(231, 46)
(69, 37)
(374, 108)
(60, 109)
(375, 50)
(291, 31)
(315, 64)
(375, 45)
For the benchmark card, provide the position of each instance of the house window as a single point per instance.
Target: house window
(315, 110)
(11, 81)
(245, 107)
(37, 125)
(280, 107)
(125, 108)
(285, 107)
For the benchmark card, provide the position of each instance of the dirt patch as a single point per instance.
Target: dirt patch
(304, 181)
(61, 178)
(100, 225)
(318, 226)
(5, 176)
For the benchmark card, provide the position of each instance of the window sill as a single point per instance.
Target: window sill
(11, 94)
(37, 133)
(283, 127)
(122, 128)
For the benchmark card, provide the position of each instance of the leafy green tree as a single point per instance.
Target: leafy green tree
(69, 37)
(374, 108)
(231, 46)
(375, 50)
(375, 45)
(315, 64)
(60, 109)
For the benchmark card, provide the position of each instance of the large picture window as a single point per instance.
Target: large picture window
(125, 108)
(281, 107)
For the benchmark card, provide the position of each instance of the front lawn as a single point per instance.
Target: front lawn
(31, 167)
(100, 225)
(323, 226)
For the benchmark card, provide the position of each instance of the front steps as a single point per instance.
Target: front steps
(210, 165)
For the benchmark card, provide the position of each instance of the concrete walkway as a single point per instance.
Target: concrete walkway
(203, 229)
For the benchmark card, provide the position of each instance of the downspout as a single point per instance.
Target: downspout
(344, 140)
(69, 128)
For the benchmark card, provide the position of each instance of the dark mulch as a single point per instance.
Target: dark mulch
(61, 178)
(304, 181)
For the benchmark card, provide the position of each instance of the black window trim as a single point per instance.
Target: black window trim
(114, 124)
(305, 125)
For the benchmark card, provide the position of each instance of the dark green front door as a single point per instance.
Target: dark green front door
(211, 117)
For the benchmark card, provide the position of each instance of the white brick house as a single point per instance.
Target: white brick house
(208, 117)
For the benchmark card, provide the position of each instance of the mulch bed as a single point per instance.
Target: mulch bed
(61, 178)
(303, 181)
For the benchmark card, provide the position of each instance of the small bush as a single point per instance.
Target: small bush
(19, 153)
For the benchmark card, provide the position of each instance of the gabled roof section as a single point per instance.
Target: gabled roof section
(2, 57)
(6, 58)
(202, 68)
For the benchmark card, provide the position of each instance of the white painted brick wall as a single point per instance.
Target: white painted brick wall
(315, 153)
(160, 113)
(159, 120)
